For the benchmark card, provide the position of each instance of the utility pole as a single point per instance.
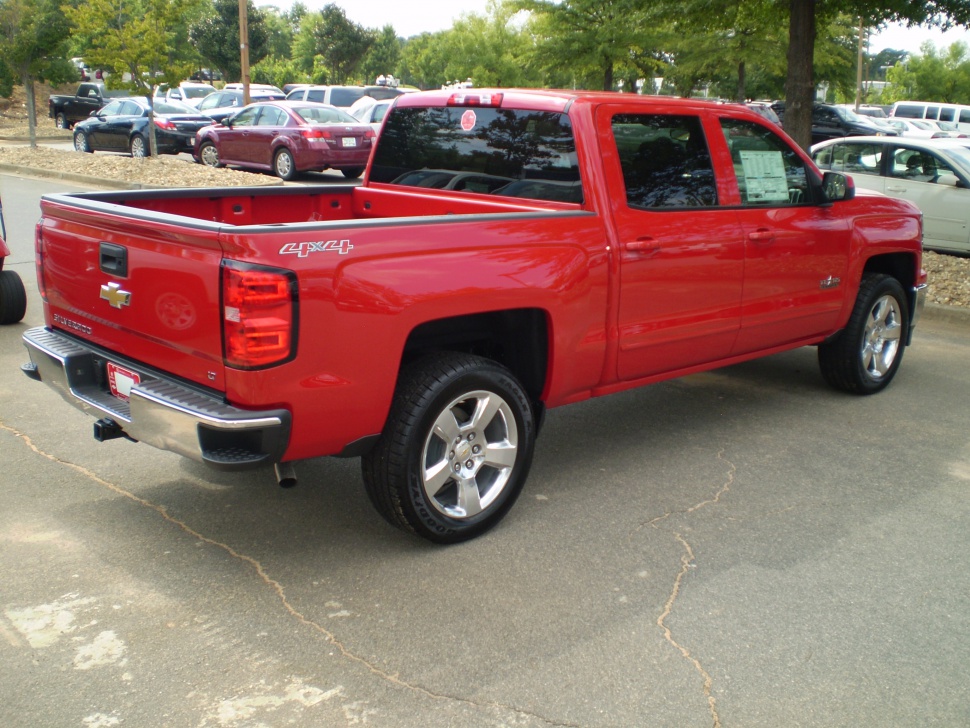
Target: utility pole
(244, 48)
(858, 72)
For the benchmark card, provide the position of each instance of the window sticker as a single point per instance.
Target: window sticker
(468, 120)
(764, 176)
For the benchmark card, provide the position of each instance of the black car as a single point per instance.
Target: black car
(833, 122)
(122, 126)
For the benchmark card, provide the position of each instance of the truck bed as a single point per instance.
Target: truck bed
(283, 205)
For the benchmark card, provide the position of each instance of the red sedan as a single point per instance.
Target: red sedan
(287, 137)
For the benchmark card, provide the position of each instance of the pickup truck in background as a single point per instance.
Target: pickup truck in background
(66, 111)
(593, 242)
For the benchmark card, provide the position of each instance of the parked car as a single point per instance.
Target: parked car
(122, 126)
(952, 130)
(265, 88)
(917, 129)
(13, 295)
(832, 122)
(188, 92)
(223, 104)
(934, 174)
(288, 137)
(369, 110)
(342, 96)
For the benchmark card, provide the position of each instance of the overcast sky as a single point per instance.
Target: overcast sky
(411, 18)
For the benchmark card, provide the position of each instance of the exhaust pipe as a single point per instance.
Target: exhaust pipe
(285, 474)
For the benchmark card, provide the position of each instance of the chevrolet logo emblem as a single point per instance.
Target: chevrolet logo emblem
(113, 294)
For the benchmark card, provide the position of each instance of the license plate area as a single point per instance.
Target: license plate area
(349, 141)
(121, 380)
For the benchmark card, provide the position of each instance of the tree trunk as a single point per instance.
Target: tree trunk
(741, 83)
(608, 76)
(28, 84)
(800, 87)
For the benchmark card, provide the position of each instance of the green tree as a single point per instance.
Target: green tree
(216, 37)
(140, 42)
(602, 37)
(933, 76)
(804, 16)
(384, 55)
(33, 44)
(329, 40)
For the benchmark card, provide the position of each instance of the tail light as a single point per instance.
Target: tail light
(317, 134)
(369, 136)
(260, 309)
(39, 258)
(166, 124)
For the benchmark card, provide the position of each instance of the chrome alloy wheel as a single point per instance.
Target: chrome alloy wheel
(881, 341)
(468, 456)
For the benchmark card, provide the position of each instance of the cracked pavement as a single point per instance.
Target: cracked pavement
(743, 547)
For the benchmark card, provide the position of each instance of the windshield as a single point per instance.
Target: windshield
(324, 115)
(196, 92)
(514, 145)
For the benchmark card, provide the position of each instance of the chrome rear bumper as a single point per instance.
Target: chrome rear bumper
(162, 412)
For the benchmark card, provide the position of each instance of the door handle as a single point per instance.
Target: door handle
(644, 246)
(761, 236)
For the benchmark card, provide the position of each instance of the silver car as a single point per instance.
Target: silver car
(934, 174)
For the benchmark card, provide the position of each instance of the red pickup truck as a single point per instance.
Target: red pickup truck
(509, 251)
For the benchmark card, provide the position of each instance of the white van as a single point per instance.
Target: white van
(958, 114)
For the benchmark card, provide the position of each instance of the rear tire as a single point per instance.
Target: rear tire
(13, 297)
(866, 355)
(138, 146)
(61, 121)
(456, 448)
(284, 165)
(352, 172)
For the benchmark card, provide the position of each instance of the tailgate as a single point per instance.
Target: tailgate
(146, 286)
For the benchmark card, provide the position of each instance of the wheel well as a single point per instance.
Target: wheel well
(900, 266)
(518, 339)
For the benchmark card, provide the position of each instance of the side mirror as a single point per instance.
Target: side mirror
(837, 187)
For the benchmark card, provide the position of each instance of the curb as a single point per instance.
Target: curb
(81, 179)
(88, 180)
(947, 314)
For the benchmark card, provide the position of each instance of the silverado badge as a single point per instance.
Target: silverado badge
(113, 294)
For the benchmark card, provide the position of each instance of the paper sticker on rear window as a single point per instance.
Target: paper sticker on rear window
(764, 176)
(468, 120)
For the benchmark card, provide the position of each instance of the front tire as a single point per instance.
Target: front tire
(865, 357)
(13, 297)
(284, 165)
(138, 146)
(455, 451)
(81, 142)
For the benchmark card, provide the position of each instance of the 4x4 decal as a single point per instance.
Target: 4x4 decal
(302, 250)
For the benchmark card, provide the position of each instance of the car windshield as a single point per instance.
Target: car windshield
(848, 114)
(196, 92)
(536, 147)
(324, 115)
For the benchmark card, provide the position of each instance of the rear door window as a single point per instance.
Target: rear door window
(665, 161)
(532, 153)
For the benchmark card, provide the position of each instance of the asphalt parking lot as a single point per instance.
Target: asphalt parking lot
(744, 547)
